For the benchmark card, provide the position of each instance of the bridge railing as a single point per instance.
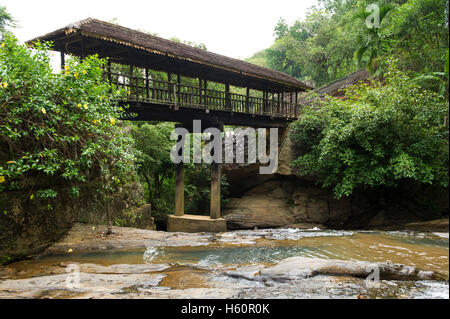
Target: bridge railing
(149, 90)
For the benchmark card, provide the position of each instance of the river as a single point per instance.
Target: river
(239, 264)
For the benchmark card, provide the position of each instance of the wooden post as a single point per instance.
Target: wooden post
(178, 88)
(265, 104)
(283, 106)
(179, 185)
(278, 102)
(63, 60)
(199, 91)
(273, 103)
(215, 191)
(179, 189)
(169, 85)
(247, 100)
(227, 96)
(147, 84)
(205, 86)
(131, 79)
(295, 103)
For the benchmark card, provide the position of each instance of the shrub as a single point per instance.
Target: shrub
(58, 128)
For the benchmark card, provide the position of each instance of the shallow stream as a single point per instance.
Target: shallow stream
(203, 266)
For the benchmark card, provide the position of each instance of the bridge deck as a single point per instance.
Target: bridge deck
(147, 91)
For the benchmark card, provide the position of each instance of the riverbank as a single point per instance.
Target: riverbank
(267, 263)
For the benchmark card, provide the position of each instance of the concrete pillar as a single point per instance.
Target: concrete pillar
(179, 189)
(215, 191)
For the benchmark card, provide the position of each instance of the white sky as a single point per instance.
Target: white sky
(235, 28)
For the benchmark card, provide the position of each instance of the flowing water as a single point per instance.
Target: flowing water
(195, 266)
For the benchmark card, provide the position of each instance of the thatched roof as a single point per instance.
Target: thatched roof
(337, 88)
(148, 50)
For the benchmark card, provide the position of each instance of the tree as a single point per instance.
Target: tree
(371, 40)
(6, 20)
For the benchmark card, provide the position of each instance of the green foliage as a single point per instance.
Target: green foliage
(372, 40)
(61, 127)
(379, 136)
(334, 40)
(154, 164)
(157, 172)
(6, 20)
(198, 189)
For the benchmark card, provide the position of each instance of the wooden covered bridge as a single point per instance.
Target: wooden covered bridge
(188, 91)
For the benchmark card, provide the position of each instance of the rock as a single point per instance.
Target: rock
(285, 156)
(318, 211)
(118, 268)
(109, 283)
(264, 206)
(279, 203)
(300, 267)
(82, 238)
(438, 225)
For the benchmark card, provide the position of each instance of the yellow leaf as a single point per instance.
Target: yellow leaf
(70, 250)
(10, 162)
(85, 106)
(79, 105)
(43, 111)
(32, 196)
(113, 121)
(3, 44)
(84, 72)
(2, 179)
(4, 85)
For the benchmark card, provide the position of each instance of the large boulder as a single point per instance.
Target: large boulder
(281, 203)
(264, 206)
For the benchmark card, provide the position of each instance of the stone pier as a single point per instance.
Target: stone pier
(197, 223)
